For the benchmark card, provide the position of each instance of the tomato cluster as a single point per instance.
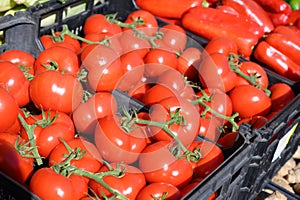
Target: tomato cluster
(64, 136)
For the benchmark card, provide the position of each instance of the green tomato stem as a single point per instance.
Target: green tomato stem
(205, 98)
(133, 26)
(175, 119)
(29, 129)
(252, 79)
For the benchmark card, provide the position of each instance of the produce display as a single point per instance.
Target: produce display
(66, 135)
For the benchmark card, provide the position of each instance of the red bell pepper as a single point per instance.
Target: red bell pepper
(275, 6)
(276, 61)
(253, 11)
(289, 45)
(278, 18)
(168, 8)
(210, 22)
(288, 30)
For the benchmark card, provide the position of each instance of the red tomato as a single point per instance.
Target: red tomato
(281, 95)
(256, 122)
(149, 25)
(139, 90)
(117, 144)
(174, 38)
(130, 42)
(158, 190)
(51, 126)
(186, 131)
(52, 90)
(157, 93)
(113, 40)
(97, 23)
(90, 162)
(255, 70)
(67, 41)
(176, 81)
(129, 185)
(158, 61)
(209, 128)
(8, 110)
(22, 59)
(221, 45)
(133, 70)
(85, 116)
(219, 102)
(249, 101)
(160, 165)
(14, 81)
(13, 164)
(216, 65)
(228, 140)
(57, 58)
(49, 185)
(188, 61)
(211, 157)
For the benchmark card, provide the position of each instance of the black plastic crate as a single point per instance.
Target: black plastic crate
(226, 180)
(20, 32)
(279, 140)
(223, 180)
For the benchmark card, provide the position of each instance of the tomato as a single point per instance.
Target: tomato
(91, 161)
(8, 110)
(14, 81)
(249, 101)
(133, 70)
(13, 164)
(159, 165)
(112, 40)
(21, 58)
(253, 69)
(52, 90)
(149, 25)
(57, 58)
(281, 95)
(157, 93)
(219, 102)
(211, 157)
(115, 143)
(158, 190)
(51, 126)
(85, 116)
(186, 131)
(129, 185)
(216, 65)
(97, 23)
(174, 38)
(188, 61)
(221, 45)
(158, 61)
(47, 184)
(176, 81)
(139, 90)
(228, 140)
(209, 128)
(67, 41)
